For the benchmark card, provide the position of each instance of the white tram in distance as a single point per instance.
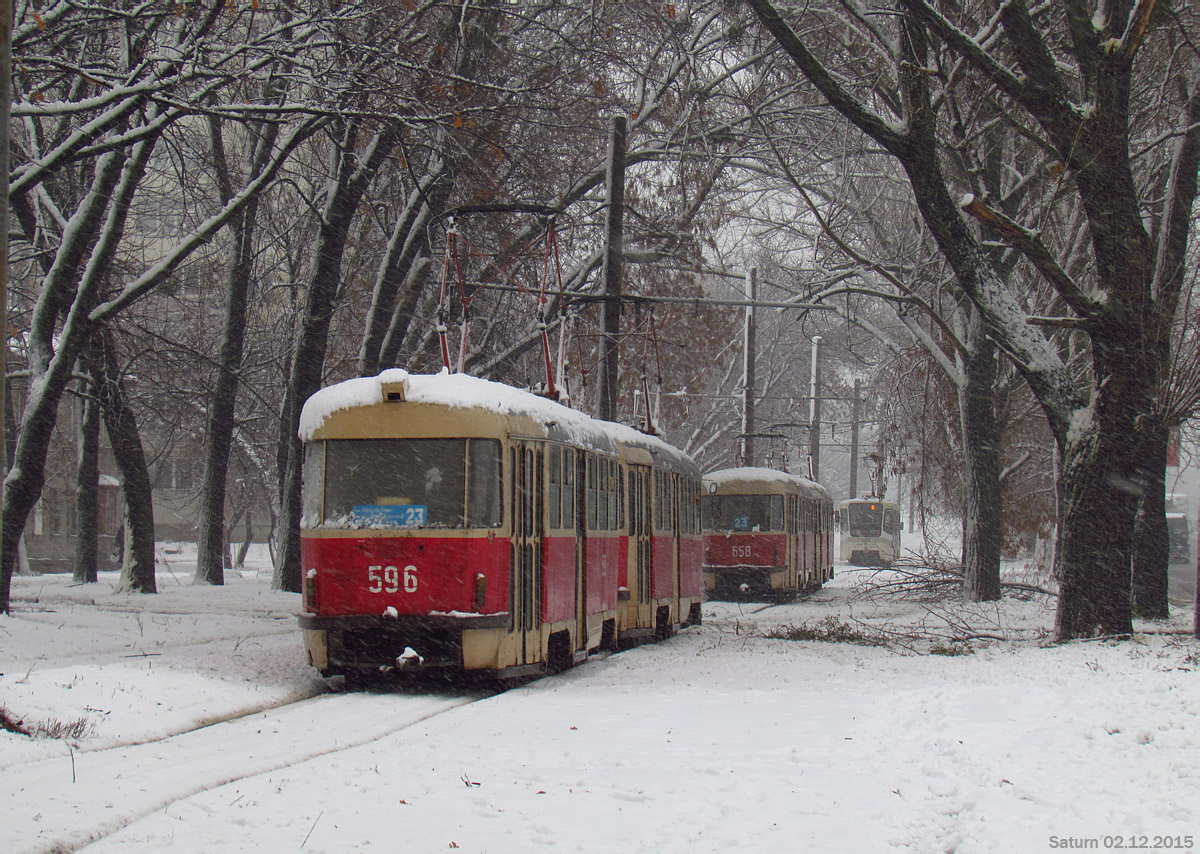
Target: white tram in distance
(766, 532)
(869, 532)
(451, 523)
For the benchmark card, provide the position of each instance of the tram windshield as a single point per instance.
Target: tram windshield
(865, 519)
(402, 483)
(742, 512)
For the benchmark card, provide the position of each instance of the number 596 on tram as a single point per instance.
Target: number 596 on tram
(454, 523)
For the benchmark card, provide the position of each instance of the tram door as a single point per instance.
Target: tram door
(528, 532)
(578, 484)
(795, 567)
(676, 524)
(640, 531)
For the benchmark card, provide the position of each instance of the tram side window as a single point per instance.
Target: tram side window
(611, 486)
(314, 466)
(562, 487)
(673, 488)
(591, 493)
(483, 500)
(554, 487)
(891, 522)
(689, 496)
(662, 500)
(602, 495)
(776, 513)
(568, 493)
(620, 493)
(667, 502)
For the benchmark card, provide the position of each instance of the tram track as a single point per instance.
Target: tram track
(82, 797)
(129, 651)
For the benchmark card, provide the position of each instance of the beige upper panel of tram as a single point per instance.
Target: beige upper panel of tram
(761, 481)
(397, 404)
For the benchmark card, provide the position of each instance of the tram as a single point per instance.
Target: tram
(869, 530)
(766, 532)
(1179, 533)
(454, 523)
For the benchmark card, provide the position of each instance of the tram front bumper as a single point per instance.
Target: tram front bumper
(408, 642)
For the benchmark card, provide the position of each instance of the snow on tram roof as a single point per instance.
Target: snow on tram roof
(762, 475)
(467, 392)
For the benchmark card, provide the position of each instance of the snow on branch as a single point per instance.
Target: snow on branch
(1135, 32)
(1030, 245)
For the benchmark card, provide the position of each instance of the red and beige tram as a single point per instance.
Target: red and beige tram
(451, 522)
(766, 532)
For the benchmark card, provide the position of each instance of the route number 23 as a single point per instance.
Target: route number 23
(387, 579)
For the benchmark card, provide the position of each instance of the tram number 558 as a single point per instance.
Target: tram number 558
(388, 579)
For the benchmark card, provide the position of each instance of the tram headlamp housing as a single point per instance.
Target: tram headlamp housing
(393, 385)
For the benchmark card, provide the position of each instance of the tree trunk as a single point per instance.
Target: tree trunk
(210, 551)
(230, 530)
(239, 559)
(1101, 484)
(308, 357)
(1094, 552)
(1151, 547)
(53, 353)
(982, 515)
(137, 570)
(87, 488)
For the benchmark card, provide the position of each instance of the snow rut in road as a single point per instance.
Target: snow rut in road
(82, 797)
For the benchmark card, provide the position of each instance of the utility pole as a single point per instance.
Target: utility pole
(614, 263)
(855, 415)
(6, 27)
(748, 371)
(814, 410)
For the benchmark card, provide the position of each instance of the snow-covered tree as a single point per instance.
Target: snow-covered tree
(1067, 77)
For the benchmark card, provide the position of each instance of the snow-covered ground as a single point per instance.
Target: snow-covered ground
(198, 727)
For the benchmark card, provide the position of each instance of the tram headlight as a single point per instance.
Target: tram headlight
(480, 591)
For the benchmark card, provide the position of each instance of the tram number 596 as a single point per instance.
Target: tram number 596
(388, 579)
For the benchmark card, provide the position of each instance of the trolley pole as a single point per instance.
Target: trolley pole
(614, 263)
(814, 410)
(748, 380)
